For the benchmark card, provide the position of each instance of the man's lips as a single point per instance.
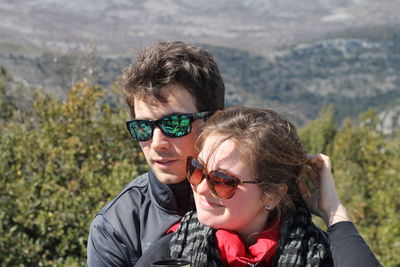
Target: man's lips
(164, 162)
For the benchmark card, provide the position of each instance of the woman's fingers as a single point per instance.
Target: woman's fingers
(314, 158)
(305, 194)
(311, 200)
(316, 162)
(313, 176)
(324, 202)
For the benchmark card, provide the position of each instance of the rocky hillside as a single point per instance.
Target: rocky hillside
(353, 73)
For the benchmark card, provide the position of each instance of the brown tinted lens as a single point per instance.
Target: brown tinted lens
(222, 184)
(194, 171)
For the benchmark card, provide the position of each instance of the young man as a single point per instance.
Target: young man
(169, 88)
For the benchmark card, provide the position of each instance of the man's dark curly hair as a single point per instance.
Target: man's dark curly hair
(174, 63)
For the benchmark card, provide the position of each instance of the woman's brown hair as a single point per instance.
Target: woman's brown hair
(268, 142)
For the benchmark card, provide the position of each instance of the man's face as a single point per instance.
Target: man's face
(167, 156)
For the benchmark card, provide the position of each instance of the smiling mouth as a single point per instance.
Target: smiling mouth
(207, 204)
(165, 162)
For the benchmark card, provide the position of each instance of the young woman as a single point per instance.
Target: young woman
(249, 209)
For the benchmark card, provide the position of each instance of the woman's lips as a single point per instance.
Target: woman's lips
(208, 204)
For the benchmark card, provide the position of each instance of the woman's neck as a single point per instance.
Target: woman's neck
(250, 233)
(249, 237)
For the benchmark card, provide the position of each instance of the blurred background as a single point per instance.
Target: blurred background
(333, 66)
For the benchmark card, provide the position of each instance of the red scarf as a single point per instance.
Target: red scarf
(233, 251)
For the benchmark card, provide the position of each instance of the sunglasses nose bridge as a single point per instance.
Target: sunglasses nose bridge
(207, 177)
(158, 138)
(158, 124)
(211, 188)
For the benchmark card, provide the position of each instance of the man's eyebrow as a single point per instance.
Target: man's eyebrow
(175, 113)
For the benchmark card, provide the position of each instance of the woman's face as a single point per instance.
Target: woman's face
(245, 212)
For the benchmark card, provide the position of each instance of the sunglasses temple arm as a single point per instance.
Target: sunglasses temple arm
(201, 115)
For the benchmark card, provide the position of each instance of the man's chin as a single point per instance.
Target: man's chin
(169, 178)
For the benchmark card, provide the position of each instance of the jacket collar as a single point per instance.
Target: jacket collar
(164, 195)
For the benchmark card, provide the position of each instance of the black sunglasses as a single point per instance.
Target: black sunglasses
(221, 183)
(171, 126)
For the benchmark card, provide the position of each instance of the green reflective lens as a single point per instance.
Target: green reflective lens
(141, 130)
(175, 126)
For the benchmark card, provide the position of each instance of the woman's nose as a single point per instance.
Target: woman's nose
(203, 188)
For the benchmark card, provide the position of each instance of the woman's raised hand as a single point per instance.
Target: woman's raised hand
(324, 201)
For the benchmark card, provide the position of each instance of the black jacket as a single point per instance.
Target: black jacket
(139, 215)
(348, 248)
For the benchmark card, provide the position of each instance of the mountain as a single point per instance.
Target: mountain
(118, 26)
(352, 70)
(290, 55)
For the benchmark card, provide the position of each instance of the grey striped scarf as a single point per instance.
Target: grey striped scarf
(301, 243)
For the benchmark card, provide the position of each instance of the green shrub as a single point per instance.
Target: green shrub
(59, 164)
(367, 176)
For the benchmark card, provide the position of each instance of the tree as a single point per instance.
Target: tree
(366, 170)
(367, 177)
(6, 105)
(60, 163)
(318, 135)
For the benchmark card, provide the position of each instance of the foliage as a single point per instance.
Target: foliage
(318, 135)
(367, 175)
(60, 163)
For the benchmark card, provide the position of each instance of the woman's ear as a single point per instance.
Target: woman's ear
(282, 190)
(270, 201)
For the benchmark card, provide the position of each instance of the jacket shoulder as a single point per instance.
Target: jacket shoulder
(130, 194)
